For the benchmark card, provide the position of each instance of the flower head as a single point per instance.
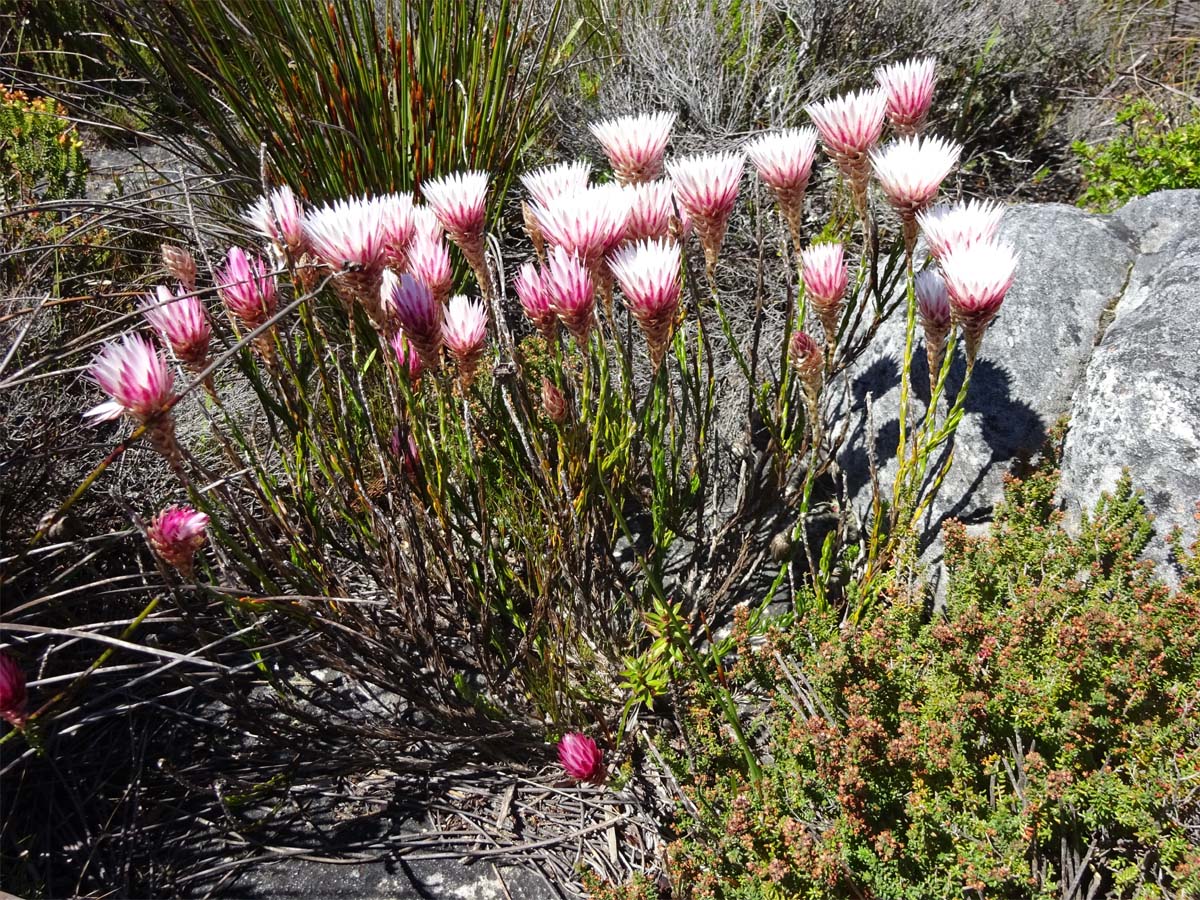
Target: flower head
(587, 223)
(650, 210)
(977, 279)
(950, 227)
(807, 357)
(648, 273)
(910, 171)
(909, 89)
(572, 292)
(634, 145)
(180, 265)
(182, 322)
(419, 314)
(246, 288)
(826, 276)
(460, 203)
(580, 757)
(135, 376)
(407, 356)
(706, 185)
(348, 236)
(426, 224)
(279, 219)
(933, 301)
(429, 261)
(465, 332)
(549, 182)
(535, 300)
(850, 125)
(13, 696)
(176, 534)
(784, 161)
(396, 216)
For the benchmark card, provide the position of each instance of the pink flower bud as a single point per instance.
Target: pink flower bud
(977, 279)
(407, 356)
(826, 276)
(554, 402)
(536, 300)
(246, 287)
(13, 696)
(580, 757)
(419, 314)
(465, 332)
(634, 145)
(176, 534)
(572, 293)
(933, 308)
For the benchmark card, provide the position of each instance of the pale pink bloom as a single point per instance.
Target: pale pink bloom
(549, 182)
(176, 534)
(247, 288)
(419, 314)
(634, 145)
(348, 235)
(396, 216)
(464, 332)
(572, 292)
(950, 227)
(826, 276)
(784, 161)
(407, 356)
(650, 210)
(648, 273)
(181, 321)
(977, 279)
(580, 757)
(706, 185)
(588, 223)
(278, 218)
(426, 224)
(909, 88)
(933, 309)
(460, 203)
(180, 265)
(429, 261)
(910, 171)
(135, 376)
(13, 696)
(850, 125)
(535, 300)
(554, 402)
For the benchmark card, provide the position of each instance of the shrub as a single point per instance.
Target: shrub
(1153, 154)
(1036, 739)
(41, 155)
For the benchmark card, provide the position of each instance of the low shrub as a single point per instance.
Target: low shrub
(1038, 738)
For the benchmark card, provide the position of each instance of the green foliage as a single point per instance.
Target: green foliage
(41, 156)
(346, 100)
(1041, 738)
(1152, 154)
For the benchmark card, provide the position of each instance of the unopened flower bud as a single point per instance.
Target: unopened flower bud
(554, 402)
(181, 265)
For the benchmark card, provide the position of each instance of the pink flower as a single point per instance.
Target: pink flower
(826, 276)
(706, 185)
(246, 288)
(909, 88)
(182, 322)
(535, 300)
(137, 378)
(279, 219)
(634, 145)
(784, 161)
(426, 224)
(648, 273)
(550, 182)
(850, 124)
(176, 534)
(580, 757)
(977, 279)
(13, 696)
(650, 210)
(910, 171)
(419, 314)
(180, 265)
(348, 236)
(429, 261)
(572, 292)
(806, 356)
(947, 228)
(933, 308)
(460, 203)
(407, 356)
(396, 216)
(465, 333)
(588, 223)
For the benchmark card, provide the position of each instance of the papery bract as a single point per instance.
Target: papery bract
(649, 275)
(706, 185)
(176, 534)
(418, 312)
(909, 88)
(536, 300)
(784, 161)
(464, 332)
(572, 292)
(581, 759)
(634, 145)
(963, 224)
(182, 322)
(279, 218)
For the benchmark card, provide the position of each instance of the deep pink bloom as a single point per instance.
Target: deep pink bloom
(182, 322)
(826, 276)
(13, 696)
(278, 218)
(784, 161)
(247, 288)
(977, 279)
(348, 236)
(176, 534)
(137, 378)
(650, 211)
(396, 216)
(587, 223)
(429, 261)
(535, 300)
(549, 182)
(634, 145)
(648, 273)
(464, 332)
(419, 314)
(961, 225)
(572, 292)
(407, 356)
(909, 89)
(910, 171)
(706, 185)
(580, 757)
